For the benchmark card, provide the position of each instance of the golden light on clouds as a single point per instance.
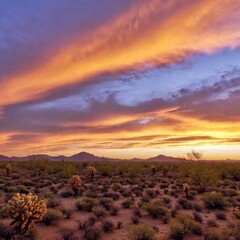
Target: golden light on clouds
(197, 27)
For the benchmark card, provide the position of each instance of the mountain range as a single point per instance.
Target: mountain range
(85, 156)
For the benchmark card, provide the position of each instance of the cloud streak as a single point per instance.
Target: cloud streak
(136, 37)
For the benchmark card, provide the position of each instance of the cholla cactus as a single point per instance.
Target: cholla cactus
(186, 189)
(8, 169)
(75, 183)
(25, 210)
(153, 170)
(91, 171)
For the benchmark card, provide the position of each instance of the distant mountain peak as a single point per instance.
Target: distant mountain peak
(86, 156)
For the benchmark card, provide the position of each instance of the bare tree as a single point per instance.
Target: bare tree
(194, 155)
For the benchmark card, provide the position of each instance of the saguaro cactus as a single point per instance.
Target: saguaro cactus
(91, 171)
(75, 183)
(8, 169)
(25, 210)
(186, 189)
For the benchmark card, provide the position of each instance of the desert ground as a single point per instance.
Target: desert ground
(119, 200)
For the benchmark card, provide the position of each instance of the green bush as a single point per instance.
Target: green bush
(216, 234)
(98, 211)
(86, 204)
(156, 208)
(52, 216)
(53, 202)
(214, 200)
(189, 223)
(237, 214)
(142, 232)
(177, 230)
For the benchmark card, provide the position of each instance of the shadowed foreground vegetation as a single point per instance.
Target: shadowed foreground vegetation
(119, 200)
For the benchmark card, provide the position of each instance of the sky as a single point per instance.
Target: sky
(125, 78)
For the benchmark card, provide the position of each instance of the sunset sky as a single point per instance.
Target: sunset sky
(120, 78)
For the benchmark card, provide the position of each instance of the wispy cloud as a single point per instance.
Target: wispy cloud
(151, 32)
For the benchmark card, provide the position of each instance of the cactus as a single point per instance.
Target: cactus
(153, 170)
(91, 171)
(186, 189)
(25, 210)
(75, 183)
(8, 169)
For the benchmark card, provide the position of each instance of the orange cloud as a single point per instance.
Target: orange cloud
(155, 31)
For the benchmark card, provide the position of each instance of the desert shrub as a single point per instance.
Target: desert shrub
(137, 192)
(116, 187)
(119, 225)
(229, 192)
(127, 203)
(216, 234)
(53, 202)
(221, 215)
(135, 219)
(236, 233)
(98, 211)
(26, 182)
(151, 193)
(112, 195)
(146, 198)
(185, 203)
(10, 189)
(25, 210)
(214, 200)
(54, 189)
(177, 230)
(6, 232)
(156, 208)
(197, 207)
(142, 232)
(87, 223)
(106, 202)
(189, 223)
(237, 214)
(163, 185)
(67, 234)
(166, 218)
(137, 212)
(173, 193)
(91, 233)
(126, 193)
(66, 212)
(114, 210)
(212, 223)
(173, 212)
(86, 204)
(52, 216)
(66, 193)
(167, 200)
(107, 225)
(198, 217)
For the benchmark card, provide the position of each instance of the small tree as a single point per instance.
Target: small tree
(75, 183)
(203, 175)
(194, 155)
